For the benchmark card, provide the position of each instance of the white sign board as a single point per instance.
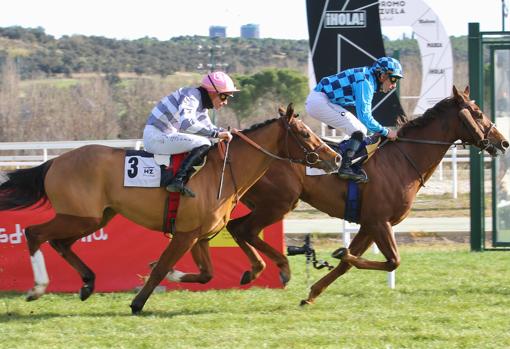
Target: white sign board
(434, 44)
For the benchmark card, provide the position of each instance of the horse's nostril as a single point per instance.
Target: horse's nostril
(505, 144)
(337, 160)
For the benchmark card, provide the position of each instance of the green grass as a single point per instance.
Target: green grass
(446, 297)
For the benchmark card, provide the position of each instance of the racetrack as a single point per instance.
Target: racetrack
(446, 297)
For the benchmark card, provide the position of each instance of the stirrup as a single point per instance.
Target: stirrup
(179, 187)
(359, 178)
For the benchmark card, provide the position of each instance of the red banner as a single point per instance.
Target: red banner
(119, 253)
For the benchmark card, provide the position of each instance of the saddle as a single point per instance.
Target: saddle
(365, 151)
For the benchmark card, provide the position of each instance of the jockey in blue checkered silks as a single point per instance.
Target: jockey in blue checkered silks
(354, 88)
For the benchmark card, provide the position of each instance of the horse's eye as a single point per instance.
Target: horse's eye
(305, 135)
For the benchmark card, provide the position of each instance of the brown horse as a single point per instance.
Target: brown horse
(85, 188)
(397, 171)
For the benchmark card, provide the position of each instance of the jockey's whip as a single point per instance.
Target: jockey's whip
(223, 169)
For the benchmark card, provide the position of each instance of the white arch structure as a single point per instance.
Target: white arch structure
(434, 44)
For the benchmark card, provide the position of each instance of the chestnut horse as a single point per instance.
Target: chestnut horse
(85, 188)
(396, 171)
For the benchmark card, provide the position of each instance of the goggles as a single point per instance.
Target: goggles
(223, 96)
(394, 79)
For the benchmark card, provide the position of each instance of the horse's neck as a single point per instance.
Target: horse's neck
(425, 156)
(252, 163)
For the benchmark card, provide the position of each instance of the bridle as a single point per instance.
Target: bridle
(483, 142)
(473, 126)
(311, 157)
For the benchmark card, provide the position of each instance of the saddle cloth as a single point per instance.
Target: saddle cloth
(147, 170)
(367, 149)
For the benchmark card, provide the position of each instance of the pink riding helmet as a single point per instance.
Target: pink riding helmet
(218, 82)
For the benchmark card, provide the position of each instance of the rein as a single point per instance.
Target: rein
(310, 156)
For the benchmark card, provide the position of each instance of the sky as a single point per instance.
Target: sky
(164, 19)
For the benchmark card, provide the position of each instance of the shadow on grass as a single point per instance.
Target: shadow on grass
(14, 316)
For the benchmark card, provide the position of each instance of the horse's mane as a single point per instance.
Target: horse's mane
(259, 125)
(430, 114)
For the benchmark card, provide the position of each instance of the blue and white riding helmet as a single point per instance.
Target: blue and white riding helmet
(390, 66)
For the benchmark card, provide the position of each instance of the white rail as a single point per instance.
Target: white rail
(40, 151)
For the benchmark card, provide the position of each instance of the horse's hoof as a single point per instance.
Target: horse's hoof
(304, 302)
(32, 296)
(246, 278)
(86, 291)
(339, 253)
(35, 292)
(284, 279)
(136, 309)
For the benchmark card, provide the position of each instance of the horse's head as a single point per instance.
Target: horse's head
(481, 132)
(306, 145)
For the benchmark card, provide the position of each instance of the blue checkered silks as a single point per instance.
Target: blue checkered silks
(354, 87)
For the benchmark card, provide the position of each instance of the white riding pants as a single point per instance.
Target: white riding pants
(319, 107)
(157, 142)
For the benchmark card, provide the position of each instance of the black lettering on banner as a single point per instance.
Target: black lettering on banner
(133, 171)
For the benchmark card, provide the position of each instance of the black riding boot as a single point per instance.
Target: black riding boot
(345, 171)
(177, 184)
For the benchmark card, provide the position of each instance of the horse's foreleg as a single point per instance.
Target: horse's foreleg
(178, 246)
(202, 258)
(245, 231)
(278, 258)
(359, 244)
(240, 228)
(385, 241)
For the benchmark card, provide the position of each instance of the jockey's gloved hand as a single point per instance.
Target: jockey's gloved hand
(225, 136)
(392, 135)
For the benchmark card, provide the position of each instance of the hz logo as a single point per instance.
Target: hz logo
(148, 171)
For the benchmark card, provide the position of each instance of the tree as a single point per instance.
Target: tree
(263, 92)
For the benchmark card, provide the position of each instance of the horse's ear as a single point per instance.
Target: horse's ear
(290, 110)
(458, 97)
(466, 92)
(281, 111)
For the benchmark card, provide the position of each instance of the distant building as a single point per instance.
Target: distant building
(217, 31)
(250, 31)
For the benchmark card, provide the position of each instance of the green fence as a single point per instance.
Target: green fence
(489, 80)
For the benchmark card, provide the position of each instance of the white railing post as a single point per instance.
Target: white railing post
(346, 235)
(454, 173)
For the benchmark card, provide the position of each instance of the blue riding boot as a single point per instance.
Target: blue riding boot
(346, 171)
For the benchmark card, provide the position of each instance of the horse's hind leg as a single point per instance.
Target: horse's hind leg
(385, 241)
(178, 246)
(63, 247)
(62, 226)
(62, 231)
(359, 244)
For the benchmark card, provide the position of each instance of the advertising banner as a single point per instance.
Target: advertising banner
(119, 255)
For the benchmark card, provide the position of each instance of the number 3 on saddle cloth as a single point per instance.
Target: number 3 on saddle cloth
(365, 151)
(147, 170)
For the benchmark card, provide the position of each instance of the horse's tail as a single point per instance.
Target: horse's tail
(24, 187)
